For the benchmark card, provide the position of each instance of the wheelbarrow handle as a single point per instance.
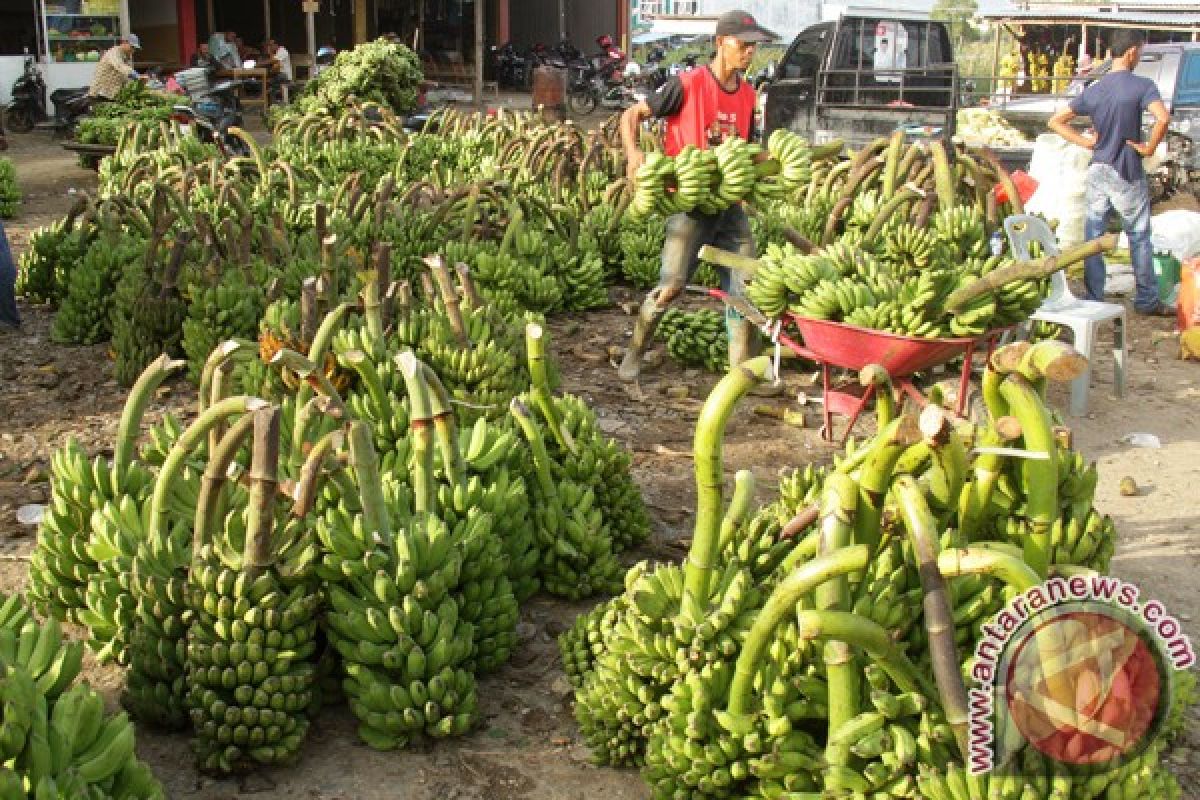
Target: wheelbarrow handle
(756, 317)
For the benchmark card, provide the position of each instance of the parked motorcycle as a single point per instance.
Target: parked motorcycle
(214, 109)
(512, 68)
(28, 107)
(588, 87)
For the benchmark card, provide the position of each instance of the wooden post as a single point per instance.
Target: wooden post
(360, 21)
(502, 29)
(562, 19)
(310, 35)
(212, 24)
(478, 87)
(266, 19)
(995, 60)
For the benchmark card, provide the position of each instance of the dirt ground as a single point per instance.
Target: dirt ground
(528, 744)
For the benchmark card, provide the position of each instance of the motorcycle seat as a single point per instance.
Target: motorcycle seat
(59, 95)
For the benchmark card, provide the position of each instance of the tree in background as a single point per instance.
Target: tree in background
(957, 14)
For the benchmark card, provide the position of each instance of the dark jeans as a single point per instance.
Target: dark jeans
(8, 279)
(686, 233)
(1107, 191)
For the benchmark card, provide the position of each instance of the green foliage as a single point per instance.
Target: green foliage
(10, 192)
(133, 105)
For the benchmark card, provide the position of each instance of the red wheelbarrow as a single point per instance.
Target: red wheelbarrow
(842, 346)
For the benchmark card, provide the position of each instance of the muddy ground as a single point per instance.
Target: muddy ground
(528, 744)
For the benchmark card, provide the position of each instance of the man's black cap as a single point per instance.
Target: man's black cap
(743, 27)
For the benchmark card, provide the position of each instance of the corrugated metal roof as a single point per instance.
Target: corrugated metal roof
(1176, 19)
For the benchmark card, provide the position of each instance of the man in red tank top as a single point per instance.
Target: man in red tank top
(702, 108)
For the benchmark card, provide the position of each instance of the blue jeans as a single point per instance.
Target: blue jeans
(1107, 191)
(686, 233)
(8, 280)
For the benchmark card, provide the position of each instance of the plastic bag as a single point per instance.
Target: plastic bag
(1176, 232)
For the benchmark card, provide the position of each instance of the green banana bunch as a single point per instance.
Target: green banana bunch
(84, 316)
(582, 643)
(696, 338)
(641, 245)
(229, 308)
(794, 157)
(49, 259)
(603, 464)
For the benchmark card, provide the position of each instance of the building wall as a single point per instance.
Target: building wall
(155, 22)
(538, 21)
(786, 19)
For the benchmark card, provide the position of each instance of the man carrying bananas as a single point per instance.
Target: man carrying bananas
(702, 108)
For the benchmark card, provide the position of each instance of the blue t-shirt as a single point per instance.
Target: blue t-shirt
(1115, 103)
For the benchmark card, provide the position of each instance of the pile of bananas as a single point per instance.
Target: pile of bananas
(55, 738)
(229, 308)
(1064, 70)
(52, 251)
(790, 664)
(902, 285)
(1037, 66)
(696, 338)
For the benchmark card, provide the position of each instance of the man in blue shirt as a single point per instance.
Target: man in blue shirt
(1115, 179)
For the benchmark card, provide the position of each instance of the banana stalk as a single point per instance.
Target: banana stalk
(939, 617)
(739, 506)
(539, 386)
(869, 637)
(421, 425)
(264, 483)
(780, 606)
(987, 561)
(976, 493)
(1039, 473)
(365, 463)
(710, 430)
(208, 503)
(838, 513)
(135, 408)
(876, 476)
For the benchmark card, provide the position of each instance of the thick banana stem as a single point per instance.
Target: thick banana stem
(217, 357)
(944, 480)
(779, 607)
(938, 617)
(306, 481)
(876, 476)
(724, 258)
(361, 363)
(885, 400)
(1052, 360)
(222, 387)
(539, 386)
(317, 348)
(869, 637)
(444, 427)
(421, 425)
(943, 176)
(541, 459)
(977, 493)
(312, 374)
(838, 513)
(135, 408)
(1028, 270)
(993, 563)
(891, 163)
(1039, 472)
(258, 550)
(374, 290)
(365, 463)
(449, 294)
(184, 445)
(710, 431)
(739, 506)
(209, 508)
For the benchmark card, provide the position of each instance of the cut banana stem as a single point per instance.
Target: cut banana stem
(310, 472)
(1039, 476)
(986, 468)
(885, 402)
(218, 356)
(183, 447)
(1029, 270)
(541, 459)
(257, 552)
(365, 463)
(444, 427)
(208, 503)
(876, 476)
(421, 426)
(539, 386)
(1052, 360)
(708, 461)
(839, 510)
(739, 506)
(1006, 566)
(780, 606)
(939, 616)
(135, 408)
(317, 349)
(724, 258)
(869, 637)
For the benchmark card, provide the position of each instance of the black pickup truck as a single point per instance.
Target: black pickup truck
(863, 76)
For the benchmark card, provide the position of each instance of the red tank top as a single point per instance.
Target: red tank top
(709, 113)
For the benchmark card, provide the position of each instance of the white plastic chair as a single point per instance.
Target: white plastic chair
(1083, 317)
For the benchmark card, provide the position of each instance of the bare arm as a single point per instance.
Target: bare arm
(631, 123)
(1060, 123)
(1162, 118)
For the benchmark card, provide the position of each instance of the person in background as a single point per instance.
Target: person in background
(702, 108)
(115, 68)
(1115, 179)
(220, 44)
(203, 57)
(280, 63)
(10, 319)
